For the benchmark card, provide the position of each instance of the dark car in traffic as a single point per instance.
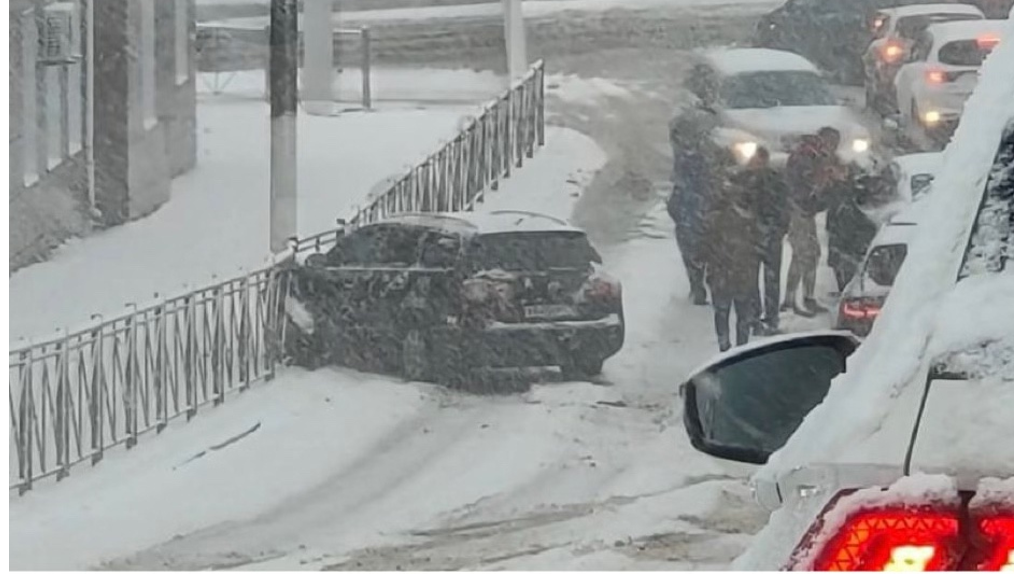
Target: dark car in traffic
(442, 297)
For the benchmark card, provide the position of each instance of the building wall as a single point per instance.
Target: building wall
(135, 159)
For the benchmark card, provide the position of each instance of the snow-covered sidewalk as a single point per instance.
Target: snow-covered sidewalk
(217, 220)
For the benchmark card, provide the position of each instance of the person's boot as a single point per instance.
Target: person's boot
(789, 303)
(699, 297)
(760, 329)
(812, 306)
(724, 346)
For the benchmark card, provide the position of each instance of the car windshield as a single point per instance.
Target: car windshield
(532, 251)
(774, 89)
(963, 53)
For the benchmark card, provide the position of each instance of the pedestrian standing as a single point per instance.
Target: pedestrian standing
(691, 181)
(850, 231)
(730, 248)
(809, 171)
(772, 213)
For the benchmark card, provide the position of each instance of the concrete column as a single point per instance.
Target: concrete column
(515, 38)
(113, 102)
(283, 105)
(317, 57)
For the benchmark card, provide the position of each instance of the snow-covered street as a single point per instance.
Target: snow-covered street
(342, 469)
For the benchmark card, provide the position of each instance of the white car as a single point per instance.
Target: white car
(774, 96)
(941, 72)
(895, 453)
(915, 173)
(894, 32)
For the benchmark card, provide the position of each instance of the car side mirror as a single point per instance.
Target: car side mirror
(746, 404)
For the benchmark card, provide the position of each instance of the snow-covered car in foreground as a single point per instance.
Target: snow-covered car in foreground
(941, 72)
(776, 97)
(436, 297)
(895, 30)
(896, 453)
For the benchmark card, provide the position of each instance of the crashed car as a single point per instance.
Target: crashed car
(895, 452)
(776, 98)
(438, 297)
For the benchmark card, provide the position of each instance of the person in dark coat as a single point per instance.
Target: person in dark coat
(692, 180)
(811, 168)
(730, 249)
(850, 231)
(772, 212)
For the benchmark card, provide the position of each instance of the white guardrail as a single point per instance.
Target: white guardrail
(74, 397)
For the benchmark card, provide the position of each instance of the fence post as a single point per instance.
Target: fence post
(160, 374)
(540, 104)
(98, 395)
(26, 406)
(217, 352)
(364, 36)
(131, 420)
(60, 418)
(190, 357)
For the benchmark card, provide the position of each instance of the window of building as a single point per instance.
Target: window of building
(182, 45)
(76, 84)
(29, 121)
(147, 62)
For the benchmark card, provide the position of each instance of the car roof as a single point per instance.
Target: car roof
(732, 61)
(895, 233)
(923, 9)
(944, 32)
(915, 163)
(468, 223)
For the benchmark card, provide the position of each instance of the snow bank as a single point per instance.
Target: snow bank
(217, 220)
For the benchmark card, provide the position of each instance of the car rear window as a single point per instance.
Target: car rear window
(884, 263)
(963, 53)
(533, 251)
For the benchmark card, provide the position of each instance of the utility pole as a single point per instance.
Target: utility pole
(515, 38)
(317, 57)
(284, 88)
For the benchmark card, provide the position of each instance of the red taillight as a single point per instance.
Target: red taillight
(988, 42)
(998, 534)
(893, 540)
(935, 76)
(892, 52)
(859, 309)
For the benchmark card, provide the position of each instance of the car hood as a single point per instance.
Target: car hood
(781, 127)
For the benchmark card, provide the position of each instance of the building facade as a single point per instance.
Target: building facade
(102, 115)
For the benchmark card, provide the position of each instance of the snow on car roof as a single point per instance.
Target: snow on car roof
(890, 360)
(485, 223)
(922, 9)
(944, 32)
(732, 61)
(917, 163)
(894, 234)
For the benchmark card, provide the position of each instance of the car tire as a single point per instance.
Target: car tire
(416, 356)
(582, 366)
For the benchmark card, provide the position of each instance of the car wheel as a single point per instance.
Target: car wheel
(415, 356)
(582, 366)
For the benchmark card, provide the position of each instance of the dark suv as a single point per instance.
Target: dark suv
(437, 297)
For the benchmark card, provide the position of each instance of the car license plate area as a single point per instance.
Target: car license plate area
(549, 311)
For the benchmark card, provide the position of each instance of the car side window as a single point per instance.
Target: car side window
(919, 52)
(440, 250)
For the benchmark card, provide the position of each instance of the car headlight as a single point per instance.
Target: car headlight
(745, 150)
(861, 145)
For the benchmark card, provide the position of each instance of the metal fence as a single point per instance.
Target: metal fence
(75, 397)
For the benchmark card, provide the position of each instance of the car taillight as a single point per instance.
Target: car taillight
(935, 76)
(987, 42)
(893, 540)
(997, 532)
(878, 529)
(603, 290)
(855, 309)
(892, 52)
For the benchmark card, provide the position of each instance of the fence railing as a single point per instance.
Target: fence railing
(75, 397)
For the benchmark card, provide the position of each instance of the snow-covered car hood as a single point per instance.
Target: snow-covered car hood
(781, 127)
(927, 315)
